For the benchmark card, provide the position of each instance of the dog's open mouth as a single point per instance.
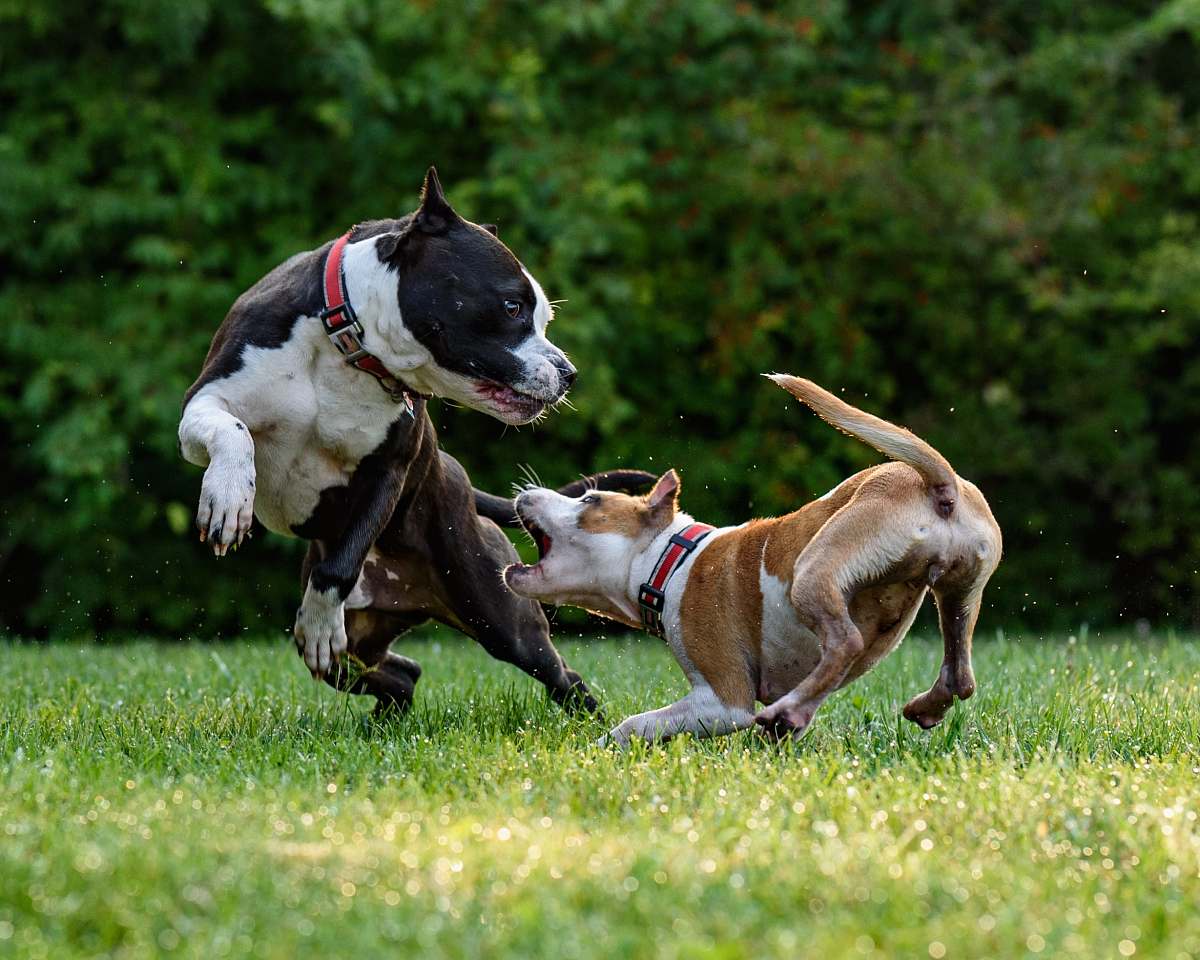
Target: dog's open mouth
(540, 538)
(511, 404)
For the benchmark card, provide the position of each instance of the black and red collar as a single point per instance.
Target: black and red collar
(652, 595)
(346, 333)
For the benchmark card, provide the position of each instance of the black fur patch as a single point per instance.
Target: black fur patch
(452, 280)
(265, 315)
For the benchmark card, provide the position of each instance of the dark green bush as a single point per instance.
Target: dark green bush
(980, 221)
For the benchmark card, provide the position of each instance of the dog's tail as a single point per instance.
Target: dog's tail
(887, 438)
(502, 511)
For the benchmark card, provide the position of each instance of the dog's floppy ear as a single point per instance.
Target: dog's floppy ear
(435, 213)
(663, 500)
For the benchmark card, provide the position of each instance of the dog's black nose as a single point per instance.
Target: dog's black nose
(567, 376)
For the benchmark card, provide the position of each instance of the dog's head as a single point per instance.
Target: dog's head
(478, 316)
(586, 544)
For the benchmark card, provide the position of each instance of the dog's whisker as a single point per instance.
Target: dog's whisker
(532, 479)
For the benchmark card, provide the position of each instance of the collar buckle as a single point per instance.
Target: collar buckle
(347, 338)
(652, 597)
(332, 311)
(345, 332)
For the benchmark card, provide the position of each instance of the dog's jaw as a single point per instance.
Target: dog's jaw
(371, 285)
(533, 582)
(575, 567)
(505, 403)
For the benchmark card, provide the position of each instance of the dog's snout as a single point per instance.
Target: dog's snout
(566, 374)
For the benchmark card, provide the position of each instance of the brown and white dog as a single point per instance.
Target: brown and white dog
(781, 611)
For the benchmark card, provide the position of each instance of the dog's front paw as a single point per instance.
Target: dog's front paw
(226, 503)
(320, 630)
(782, 720)
(614, 739)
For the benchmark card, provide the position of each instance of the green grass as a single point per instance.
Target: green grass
(209, 801)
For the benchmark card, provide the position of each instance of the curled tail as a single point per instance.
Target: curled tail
(887, 438)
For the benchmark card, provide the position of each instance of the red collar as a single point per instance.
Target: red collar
(652, 595)
(346, 333)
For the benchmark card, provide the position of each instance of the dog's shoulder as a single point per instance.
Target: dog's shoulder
(265, 315)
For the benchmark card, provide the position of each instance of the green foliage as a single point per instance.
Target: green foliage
(978, 221)
(210, 800)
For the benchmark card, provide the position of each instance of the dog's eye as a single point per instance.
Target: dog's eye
(590, 498)
(513, 308)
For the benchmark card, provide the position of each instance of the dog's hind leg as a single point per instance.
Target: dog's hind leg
(958, 610)
(373, 668)
(469, 556)
(958, 589)
(381, 608)
(856, 544)
(510, 628)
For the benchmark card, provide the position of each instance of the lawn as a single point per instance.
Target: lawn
(210, 800)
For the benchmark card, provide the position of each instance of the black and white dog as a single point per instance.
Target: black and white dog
(310, 412)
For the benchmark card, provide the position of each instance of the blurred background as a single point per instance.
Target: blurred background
(978, 220)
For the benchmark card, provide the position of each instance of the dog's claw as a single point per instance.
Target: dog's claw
(320, 630)
(226, 505)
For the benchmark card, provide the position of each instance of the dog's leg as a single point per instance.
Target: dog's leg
(841, 645)
(372, 668)
(855, 544)
(320, 630)
(701, 713)
(392, 596)
(958, 612)
(473, 551)
(512, 628)
(210, 436)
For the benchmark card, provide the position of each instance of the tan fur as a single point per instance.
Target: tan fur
(887, 438)
(793, 531)
(615, 513)
(721, 607)
(787, 610)
(722, 600)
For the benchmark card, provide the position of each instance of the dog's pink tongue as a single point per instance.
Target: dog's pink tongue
(544, 544)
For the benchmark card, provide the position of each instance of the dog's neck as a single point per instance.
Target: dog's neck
(642, 566)
(371, 290)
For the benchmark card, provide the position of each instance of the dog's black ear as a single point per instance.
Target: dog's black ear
(663, 500)
(492, 229)
(389, 245)
(435, 214)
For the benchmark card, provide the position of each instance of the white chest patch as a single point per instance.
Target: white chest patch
(790, 651)
(313, 419)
